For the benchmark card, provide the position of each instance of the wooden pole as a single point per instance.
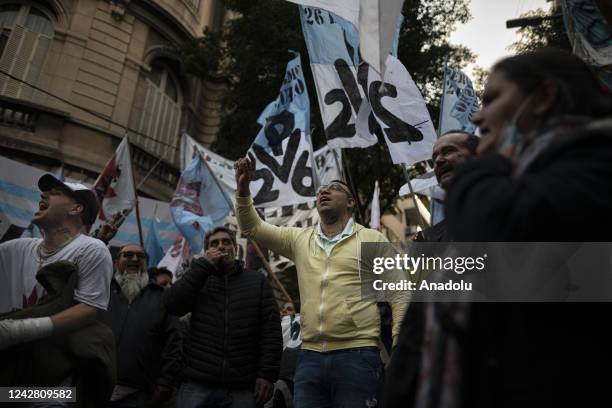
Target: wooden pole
(270, 272)
(416, 206)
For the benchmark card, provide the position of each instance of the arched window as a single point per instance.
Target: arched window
(161, 114)
(26, 31)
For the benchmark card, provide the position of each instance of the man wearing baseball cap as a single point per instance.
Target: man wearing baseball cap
(64, 209)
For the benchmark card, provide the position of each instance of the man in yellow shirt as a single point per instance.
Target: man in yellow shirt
(339, 363)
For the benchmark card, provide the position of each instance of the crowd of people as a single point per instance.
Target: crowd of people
(128, 336)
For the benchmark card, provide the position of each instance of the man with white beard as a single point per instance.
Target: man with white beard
(147, 339)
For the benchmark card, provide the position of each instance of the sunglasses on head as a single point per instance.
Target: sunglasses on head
(333, 186)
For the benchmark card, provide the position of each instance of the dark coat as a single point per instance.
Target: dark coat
(402, 373)
(235, 334)
(543, 354)
(147, 338)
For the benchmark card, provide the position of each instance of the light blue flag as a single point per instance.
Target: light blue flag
(152, 244)
(283, 148)
(32, 231)
(198, 204)
(459, 102)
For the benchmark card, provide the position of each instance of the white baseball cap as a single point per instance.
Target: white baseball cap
(82, 195)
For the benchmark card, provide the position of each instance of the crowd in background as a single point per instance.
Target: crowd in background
(128, 336)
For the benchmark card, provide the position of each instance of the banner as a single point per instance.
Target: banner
(198, 204)
(459, 102)
(400, 111)
(588, 31)
(283, 149)
(333, 45)
(19, 197)
(329, 164)
(176, 257)
(149, 210)
(153, 246)
(222, 167)
(115, 184)
(344, 83)
(374, 19)
(347, 9)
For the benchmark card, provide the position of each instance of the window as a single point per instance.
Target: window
(26, 32)
(161, 115)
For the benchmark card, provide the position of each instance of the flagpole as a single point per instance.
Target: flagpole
(255, 246)
(269, 269)
(138, 223)
(355, 192)
(442, 98)
(413, 195)
(150, 172)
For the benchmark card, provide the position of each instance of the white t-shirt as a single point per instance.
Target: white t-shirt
(19, 263)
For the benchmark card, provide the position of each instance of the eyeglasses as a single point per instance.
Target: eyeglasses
(333, 187)
(129, 255)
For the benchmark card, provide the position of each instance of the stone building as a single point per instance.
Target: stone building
(101, 68)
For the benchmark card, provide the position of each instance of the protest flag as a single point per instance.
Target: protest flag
(285, 172)
(198, 204)
(459, 102)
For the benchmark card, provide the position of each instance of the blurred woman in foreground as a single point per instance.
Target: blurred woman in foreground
(544, 174)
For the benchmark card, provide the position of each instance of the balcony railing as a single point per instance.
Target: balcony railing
(22, 114)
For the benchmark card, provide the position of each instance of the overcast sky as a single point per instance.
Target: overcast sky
(486, 34)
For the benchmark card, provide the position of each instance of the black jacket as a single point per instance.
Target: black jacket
(402, 374)
(147, 338)
(235, 334)
(541, 354)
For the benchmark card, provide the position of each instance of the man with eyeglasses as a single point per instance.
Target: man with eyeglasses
(147, 337)
(339, 363)
(233, 349)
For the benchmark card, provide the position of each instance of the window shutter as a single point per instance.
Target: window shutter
(23, 58)
(160, 121)
(35, 66)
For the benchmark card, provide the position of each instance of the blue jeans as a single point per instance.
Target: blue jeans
(193, 395)
(350, 378)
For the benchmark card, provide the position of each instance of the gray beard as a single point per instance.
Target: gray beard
(132, 283)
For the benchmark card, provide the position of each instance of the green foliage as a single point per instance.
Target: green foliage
(479, 78)
(250, 54)
(550, 33)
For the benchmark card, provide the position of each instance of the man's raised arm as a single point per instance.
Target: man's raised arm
(277, 239)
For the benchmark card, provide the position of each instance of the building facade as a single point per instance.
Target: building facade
(76, 76)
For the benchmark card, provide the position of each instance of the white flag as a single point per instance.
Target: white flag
(115, 185)
(375, 212)
(175, 256)
(425, 184)
(329, 164)
(401, 112)
(377, 28)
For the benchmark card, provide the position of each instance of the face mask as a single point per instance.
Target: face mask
(513, 139)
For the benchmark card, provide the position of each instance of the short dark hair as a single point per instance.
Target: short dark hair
(471, 143)
(345, 185)
(219, 229)
(155, 272)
